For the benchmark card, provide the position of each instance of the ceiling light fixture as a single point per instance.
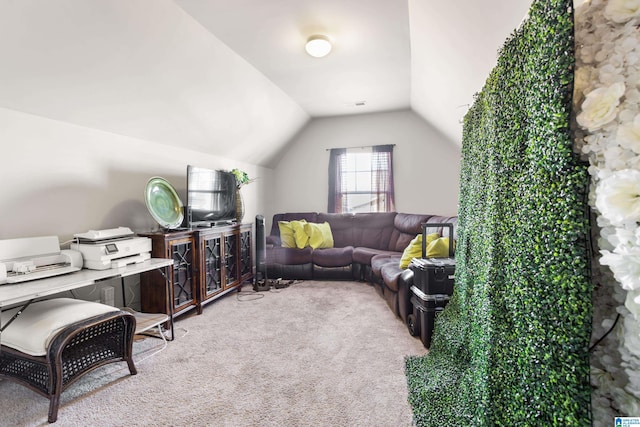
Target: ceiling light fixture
(318, 46)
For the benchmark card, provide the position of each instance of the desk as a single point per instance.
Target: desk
(26, 292)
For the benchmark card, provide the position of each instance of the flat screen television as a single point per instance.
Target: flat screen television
(211, 197)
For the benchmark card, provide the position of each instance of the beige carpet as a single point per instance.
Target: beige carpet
(313, 354)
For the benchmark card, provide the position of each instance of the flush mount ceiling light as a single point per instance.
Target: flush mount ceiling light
(318, 46)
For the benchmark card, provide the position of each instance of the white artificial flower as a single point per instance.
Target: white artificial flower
(607, 100)
(604, 244)
(628, 135)
(603, 222)
(634, 162)
(618, 197)
(612, 238)
(619, 295)
(625, 265)
(610, 74)
(608, 362)
(626, 115)
(621, 11)
(629, 42)
(600, 106)
(633, 303)
(601, 411)
(600, 379)
(633, 386)
(629, 404)
(607, 324)
(633, 96)
(617, 158)
(624, 236)
(631, 329)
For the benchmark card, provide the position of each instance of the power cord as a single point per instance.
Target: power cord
(605, 335)
(276, 286)
(249, 296)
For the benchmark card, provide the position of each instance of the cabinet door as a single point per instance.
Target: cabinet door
(246, 264)
(212, 273)
(231, 259)
(182, 252)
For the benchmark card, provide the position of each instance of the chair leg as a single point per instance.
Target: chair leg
(54, 403)
(132, 366)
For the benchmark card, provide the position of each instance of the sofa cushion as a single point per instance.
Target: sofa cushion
(320, 235)
(341, 227)
(405, 228)
(378, 261)
(373, 230)
(33, 330)
(390, 273)
(333, 257)
(363, 255)
(293, 256)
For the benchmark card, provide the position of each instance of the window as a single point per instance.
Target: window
(361, 179)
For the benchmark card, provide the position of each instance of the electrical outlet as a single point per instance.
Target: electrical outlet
(107, 296)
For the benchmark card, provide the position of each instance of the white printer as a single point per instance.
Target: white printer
(111, 248)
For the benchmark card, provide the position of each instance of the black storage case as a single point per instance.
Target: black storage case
(425, 310)
(434, 275)
(433, 282)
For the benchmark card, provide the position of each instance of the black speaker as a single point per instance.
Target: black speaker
(260, 279)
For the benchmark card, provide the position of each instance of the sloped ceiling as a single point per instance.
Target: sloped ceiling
(370, 61)
(454, 47)
(231, 78)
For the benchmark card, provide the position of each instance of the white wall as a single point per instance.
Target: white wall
(426, 163)
(60, 179)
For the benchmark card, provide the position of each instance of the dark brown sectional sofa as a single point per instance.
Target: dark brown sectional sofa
(367, 247)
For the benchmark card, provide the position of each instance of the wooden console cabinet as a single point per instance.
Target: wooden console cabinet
(207, 263)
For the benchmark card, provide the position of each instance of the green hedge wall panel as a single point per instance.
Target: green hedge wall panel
(511, 348)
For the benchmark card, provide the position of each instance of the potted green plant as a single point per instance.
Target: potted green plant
(242, 179)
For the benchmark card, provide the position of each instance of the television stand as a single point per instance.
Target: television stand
(208, 263)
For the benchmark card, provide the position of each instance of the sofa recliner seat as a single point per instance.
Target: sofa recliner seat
(367, 247)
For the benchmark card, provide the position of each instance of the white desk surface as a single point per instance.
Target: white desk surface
(11, 294)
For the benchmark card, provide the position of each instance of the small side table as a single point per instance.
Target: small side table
(147, 321)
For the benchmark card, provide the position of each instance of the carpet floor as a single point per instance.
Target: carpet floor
(313, 354)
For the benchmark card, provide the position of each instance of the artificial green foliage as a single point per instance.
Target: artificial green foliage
(511, 347)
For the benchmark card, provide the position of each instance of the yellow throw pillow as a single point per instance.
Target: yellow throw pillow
(431, 237)
(320, 235)
(286, 234)
(300, 236)
(414, 250)
(439, 248)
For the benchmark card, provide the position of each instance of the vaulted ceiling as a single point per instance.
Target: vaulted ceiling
(231, 78)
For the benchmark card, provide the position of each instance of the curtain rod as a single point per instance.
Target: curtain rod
(361, 146)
